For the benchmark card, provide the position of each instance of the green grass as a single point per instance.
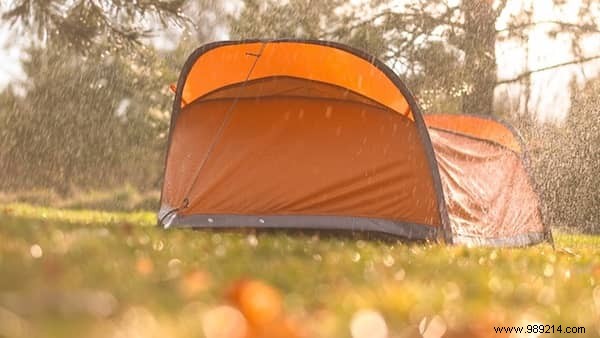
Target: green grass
(102, 274)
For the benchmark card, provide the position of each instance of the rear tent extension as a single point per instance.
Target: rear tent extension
(317, 135)
(488, 192)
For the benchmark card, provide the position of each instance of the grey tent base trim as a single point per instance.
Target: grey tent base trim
(519, 240)
(409, 231)
(168, 218)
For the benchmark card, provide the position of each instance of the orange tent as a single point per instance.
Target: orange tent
(317, 135)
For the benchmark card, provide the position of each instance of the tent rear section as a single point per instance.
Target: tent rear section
(489, 195)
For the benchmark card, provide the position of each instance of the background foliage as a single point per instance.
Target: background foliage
(89, 121)
(566, 162)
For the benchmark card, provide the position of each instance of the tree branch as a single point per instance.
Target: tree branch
(588, 28)
(533, 71)
(500, 8)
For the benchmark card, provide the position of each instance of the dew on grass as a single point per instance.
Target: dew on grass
(36, 251)
(252, 240)
(130, 241)
(368, 323)
(216, 238)
(596, 298)
(174, 266)
(546, 296)
(144, 239)
(144, 266)
(400, 275)
(224, 322)
(451, 291)
(495, 284)
(193, 283)
(436, 328)
(138, 321)
(388, 260)
(548, 270)
(158, 245)
(220, 251)
(11, 325)
(360, 244)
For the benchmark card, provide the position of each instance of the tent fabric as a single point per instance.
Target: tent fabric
(487, 190)
(316, 135)
(345, 149)
(297, 157)
(255, 60)
(477, 127)
(280, 86)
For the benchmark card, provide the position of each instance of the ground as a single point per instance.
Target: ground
(100, 274)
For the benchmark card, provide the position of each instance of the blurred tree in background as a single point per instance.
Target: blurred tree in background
(93, 108)
(84, 24)
(446, 51)
(566, 160)
(86, 121)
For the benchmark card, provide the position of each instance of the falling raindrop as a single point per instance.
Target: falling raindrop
(328, 112)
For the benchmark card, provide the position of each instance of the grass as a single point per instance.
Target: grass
(66, 273)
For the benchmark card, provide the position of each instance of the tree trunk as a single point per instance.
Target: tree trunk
(480, 56)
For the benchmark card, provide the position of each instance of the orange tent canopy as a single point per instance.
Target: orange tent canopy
(307, 61)
(317, 135)
(477, 127)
